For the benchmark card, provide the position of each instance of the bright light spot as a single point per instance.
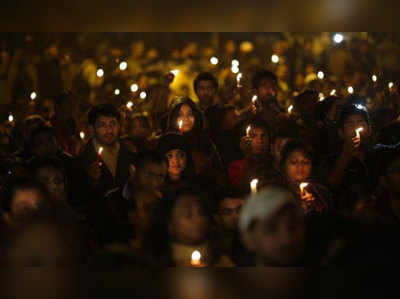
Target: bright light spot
(320, 75)
(82, 134)
(321, 97)
(248, 130)
(289, 110)
(246, 46)
(214, 60)
(238, 77)
(33, 95)
(196, 256)
(100, 150)
(254, 99)
(235, 62)
(361, 107)
(123, 65)
(333, 92)
(302, 186)
(10, 118)
(180, 124)
(100, 73)
(175, 72)
(134, 87)
(235, 69)
(390, 85)
(338, 38)
(116, 91)
(275, 58)
(129, 104)
(374, 78)
(143, 95)
(253, 185)
(350, 90)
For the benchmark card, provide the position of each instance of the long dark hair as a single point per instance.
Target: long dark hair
(198, 126)
(299, 145)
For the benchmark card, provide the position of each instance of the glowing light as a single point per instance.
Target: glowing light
(302, 186)
(338, 38)
(248, 131)
(289, 110)
(254, 99)
(129, 104)
(320, 75)
(253, 185)
(214, 60)
(235, 62)
(100, 73)
(390, 85)
(361, 107)
(321, 96)
(33, 95)
(123, 65)
(235, 69)
(134, 87)
(10, 118)
(238, 77)
(358, 131)
(82, 135)
(143, 95)
(175, 72)
(374, 78)
(333, 92)
(275, 58)
(350, 90)
(100, 150)
(116, 91)
(246, 46)
(196, 258)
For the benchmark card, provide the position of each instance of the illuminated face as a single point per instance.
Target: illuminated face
(266, 89)
(298, 167)
(107, 130)
(176, 162)
(189, 223)
(187, 117)
(206, 92)
(259, 141)
(352, 123)
(229, 212)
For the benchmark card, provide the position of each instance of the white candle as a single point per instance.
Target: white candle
(290, 109)
(253, 185)
(302, 186)
(358, 131)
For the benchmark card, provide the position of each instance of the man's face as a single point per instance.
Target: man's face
(177, 162)
(206, 92)
(352, 123)
(266, 89)
(259, 141)
(107, 130)
(153, 175)
(229, 213)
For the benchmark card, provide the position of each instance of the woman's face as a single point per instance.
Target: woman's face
(186, 116)
(176, 162)
(188, 223)
(259, 141)
(53, 180)
(298, 167)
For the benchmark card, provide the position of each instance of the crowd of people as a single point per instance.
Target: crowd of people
(228, 176)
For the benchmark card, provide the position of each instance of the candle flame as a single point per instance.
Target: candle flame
(374, 78)
(214, 60)
(123, 65)
(275, 58)
(175, 72)
(235, 62)
(302, 186)
(254, 99)
(238, 77)
(129, 105)
(100, 73)
(82, 134)
(253, 185)
(10, 118)
(134, 87)
(196, 257)
(350, 89)
(290, 109)
(100, 150)
(248, 130)
(333, 92)
(33, 95)
(180, 124)
(358, 131)
(390, 85)
(320, 75)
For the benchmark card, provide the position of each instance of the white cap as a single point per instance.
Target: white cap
(261, 205)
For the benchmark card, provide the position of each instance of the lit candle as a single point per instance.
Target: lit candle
(254, 99)
(235, 69)
(129, 105)
(290, 109)
(10, 118)
(358, 131)
(134, 87)
(180, 126)
(333, 92)
(320, 75)
(302, 186)
(82, 135)
(238, 77)
(143, 95)
(100, 73)
(350, 89)
(390, 85)
(195, 258)
(275, 58)
(175, 72)
(235, 62)
(99, 153)
(33, 95)
(214, 60)
(374, 78)
(321, 97)
(248, 131)
(116, 91)
(123, 65)
(253, 186)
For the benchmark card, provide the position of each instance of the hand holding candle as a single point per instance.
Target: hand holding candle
(180, 126)
(358, 131)
(99, 155)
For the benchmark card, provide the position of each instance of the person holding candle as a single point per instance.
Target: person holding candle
(183, 225)
(297, 163)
